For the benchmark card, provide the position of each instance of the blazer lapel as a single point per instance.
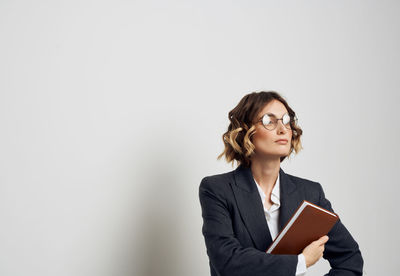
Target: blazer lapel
(251, 208)
(290, 199)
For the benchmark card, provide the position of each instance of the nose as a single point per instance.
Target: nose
(281, 127)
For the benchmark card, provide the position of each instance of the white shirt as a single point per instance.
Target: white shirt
(272, 217)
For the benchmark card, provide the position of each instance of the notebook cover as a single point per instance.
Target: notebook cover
(309, 226)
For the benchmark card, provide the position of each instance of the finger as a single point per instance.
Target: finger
(324, 242)
(321, 243)
(323, 239)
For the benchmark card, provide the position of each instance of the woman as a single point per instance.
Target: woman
(244, 210)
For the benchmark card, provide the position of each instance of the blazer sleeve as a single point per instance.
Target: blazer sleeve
(341, 250)
(227, 256)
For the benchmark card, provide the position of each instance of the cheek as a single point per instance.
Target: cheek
(262, 137)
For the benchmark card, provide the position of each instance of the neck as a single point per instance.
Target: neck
(265, 171)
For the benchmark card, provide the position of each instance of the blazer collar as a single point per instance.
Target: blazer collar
(251, 208)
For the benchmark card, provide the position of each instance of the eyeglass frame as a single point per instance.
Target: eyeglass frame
(293, 120)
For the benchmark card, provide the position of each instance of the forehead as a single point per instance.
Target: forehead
(274, 107)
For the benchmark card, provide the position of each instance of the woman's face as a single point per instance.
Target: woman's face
(265, 141)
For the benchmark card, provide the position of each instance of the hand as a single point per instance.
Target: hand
(314, 251)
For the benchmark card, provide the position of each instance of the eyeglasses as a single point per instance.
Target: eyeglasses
(270, 122)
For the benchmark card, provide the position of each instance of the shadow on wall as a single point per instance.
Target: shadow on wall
(158, 229)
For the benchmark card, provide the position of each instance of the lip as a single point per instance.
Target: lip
(281, 141)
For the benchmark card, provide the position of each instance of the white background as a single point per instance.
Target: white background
(111, 112)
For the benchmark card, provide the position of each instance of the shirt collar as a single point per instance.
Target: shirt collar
(275, 194)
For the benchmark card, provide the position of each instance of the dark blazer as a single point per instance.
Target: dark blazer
(236, 232)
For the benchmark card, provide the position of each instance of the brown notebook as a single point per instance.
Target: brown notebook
(309, 223)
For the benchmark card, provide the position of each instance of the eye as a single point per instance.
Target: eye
(267, 120)
(286, 119)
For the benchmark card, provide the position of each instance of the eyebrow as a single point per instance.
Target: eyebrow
(272, 114)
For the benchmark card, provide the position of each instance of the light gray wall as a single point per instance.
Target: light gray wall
(111, 112)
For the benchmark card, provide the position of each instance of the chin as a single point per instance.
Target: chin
(282, 152)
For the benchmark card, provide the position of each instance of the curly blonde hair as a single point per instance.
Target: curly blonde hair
(238, 138)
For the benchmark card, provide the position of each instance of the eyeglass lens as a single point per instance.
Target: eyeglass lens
(270, 122)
